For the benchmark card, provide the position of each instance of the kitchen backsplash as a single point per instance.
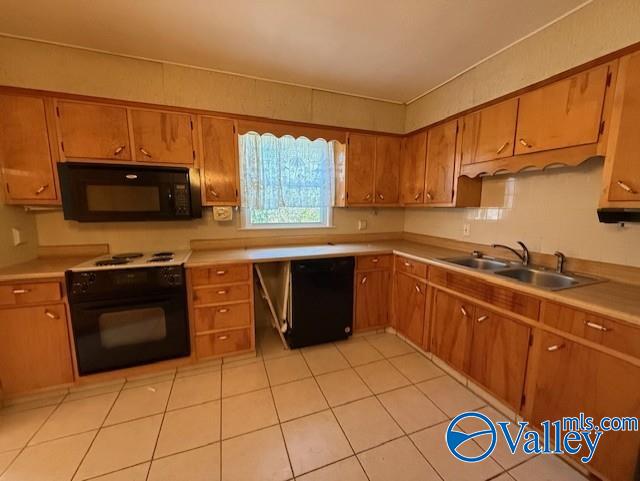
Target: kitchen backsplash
(549, 211)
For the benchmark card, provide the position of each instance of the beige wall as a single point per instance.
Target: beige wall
(16, 217)
(601, 27)
(30, 64)
(53, 229)
(549, 211)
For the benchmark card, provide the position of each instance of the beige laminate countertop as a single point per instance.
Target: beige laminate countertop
(618, 300)
(40, 268)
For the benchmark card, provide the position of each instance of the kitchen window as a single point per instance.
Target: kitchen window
(286, 182)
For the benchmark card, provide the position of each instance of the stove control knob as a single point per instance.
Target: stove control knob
(92, 277)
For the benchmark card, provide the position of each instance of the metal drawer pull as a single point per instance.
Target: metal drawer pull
(223, 338)
(464, 311)
(51, 315)
(417, 196)
(213, 193)
(222, 291)
(364, 280)
(555, 347)
(221, 273)
(594, 325)
(367, 197)
(223, 310)
(118, 150)
(21, 291)
(407, 264)
(145, 153)
(375, 260)
(482, 318)
(504, 146)
(418, 289)
(42, 188)
(525, 143)
(429, 196)
(625, 187)
(381, 197)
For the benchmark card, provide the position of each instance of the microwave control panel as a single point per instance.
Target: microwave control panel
(181, 199)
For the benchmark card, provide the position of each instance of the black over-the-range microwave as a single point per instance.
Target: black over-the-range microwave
(114, 193)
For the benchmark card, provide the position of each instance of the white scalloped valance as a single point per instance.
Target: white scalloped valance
(294, 130)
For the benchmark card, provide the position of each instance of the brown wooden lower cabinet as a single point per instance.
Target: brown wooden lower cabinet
(451, 330)
(34, 348)
(372, 294)
(566, 378)
(409, 296)
(498, 355)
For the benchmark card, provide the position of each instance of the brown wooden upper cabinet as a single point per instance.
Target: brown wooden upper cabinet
(489, 134)
(441, 160)
(219, 160)
(25, 151)
(563, 114)
(373, 169)
(622, 163)
(163, 137)
(93, 131)
(412, 175)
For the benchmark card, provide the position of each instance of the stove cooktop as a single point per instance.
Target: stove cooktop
(134, 259)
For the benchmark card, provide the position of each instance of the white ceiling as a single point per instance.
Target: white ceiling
(385, 49)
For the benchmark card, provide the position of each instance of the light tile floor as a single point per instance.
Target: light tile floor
(371, 408)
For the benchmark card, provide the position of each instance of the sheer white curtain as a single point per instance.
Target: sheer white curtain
(279, 172)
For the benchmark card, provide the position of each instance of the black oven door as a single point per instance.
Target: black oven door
(115, 335)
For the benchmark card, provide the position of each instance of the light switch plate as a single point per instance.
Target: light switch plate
(466, 230)
(17, 236)
(362, 224)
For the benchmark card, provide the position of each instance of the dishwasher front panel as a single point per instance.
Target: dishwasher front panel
(321, 301)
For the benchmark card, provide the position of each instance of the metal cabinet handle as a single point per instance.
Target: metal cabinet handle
(41, 189)
(221, 273)
(119, 150)
(21, 291)
(364, 280)
(367, 197)
(417, 196)
(504, 146)
(222, 291)
(145, 153)
(525, 143)
(555, 347)
(213, 193)
(418, 289)
(429, 196)
(380, 196)
(51, 315)
(224, 310)
(375, 260)
(482, 318)
(596, 326)
(626, 187)
(407, 264)
(223, 338)
(464, 311)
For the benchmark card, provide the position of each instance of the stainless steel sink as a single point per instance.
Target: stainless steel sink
(552, 281)
(482, 263)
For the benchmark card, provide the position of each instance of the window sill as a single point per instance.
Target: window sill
(288, 227)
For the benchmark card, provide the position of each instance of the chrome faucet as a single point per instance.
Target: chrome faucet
(560, 262)
(524, 257)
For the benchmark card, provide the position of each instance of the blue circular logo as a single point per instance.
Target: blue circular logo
(456, 437)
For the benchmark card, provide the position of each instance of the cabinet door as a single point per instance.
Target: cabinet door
(387, 170)
(563, 114)
(220, 160)
(409, 310)
(489, 133)
(571, 378)
(441, 153)
(414, 157)
(361, 156)
(623, 149)
(93, 131)
(25, 153)
(165, 137)
(498, 355)
(34, 348)
(372, 299)
(451, 331)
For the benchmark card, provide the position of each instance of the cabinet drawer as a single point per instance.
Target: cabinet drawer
(373, 262)
(404, 264)
(29, 293)
(602, 330)
(220, 274)
(225, 342)
(221, 294)
(223, 317)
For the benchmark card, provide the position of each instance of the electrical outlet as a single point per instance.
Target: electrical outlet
(17, 236)
(362, 225)
(466, 230)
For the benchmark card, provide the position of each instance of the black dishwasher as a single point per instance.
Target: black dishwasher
(321, 301)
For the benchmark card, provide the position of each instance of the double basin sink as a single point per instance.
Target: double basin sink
(532, 276)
